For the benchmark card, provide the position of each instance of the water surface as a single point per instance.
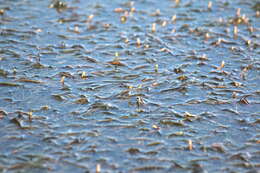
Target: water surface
(141, 86)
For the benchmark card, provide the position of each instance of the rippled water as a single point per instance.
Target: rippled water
(120, 86)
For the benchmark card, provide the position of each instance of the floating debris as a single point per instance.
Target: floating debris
(148, 168)
(139, 101)
(177, 2)
(236, 84)
(58, 97)
(119, 10)
(207, 36)
(17, 121)
(182, 78)
(133, 150)
(116, 62)
(29, 80)
(2, 114)
(218, 147)
(235, 31)
(257, 14)
(178, 70)
(176, 134)
(156, 68)
(98, 168)
(123, 19)
(83, 75)
(45, 107)
(190, 146)
(62, 80)
(2, 11)
(222, 65)
(244, 100)
(90, 18)
(173, 19)
(172, 123)
(30, 116)
(58, 5)
(8, 84)
(138, 42)
(164, 23)
(210, 5)
(3, 73)
(82, 100)
(256, 7)
(153, 27)
(156, 127)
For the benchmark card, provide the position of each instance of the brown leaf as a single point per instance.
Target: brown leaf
(116, 63)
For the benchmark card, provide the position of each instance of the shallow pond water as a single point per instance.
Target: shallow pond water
(129, 86)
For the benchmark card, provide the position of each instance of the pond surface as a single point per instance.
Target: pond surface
(120, 86)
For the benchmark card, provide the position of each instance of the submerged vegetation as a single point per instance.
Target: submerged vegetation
(129, 86)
